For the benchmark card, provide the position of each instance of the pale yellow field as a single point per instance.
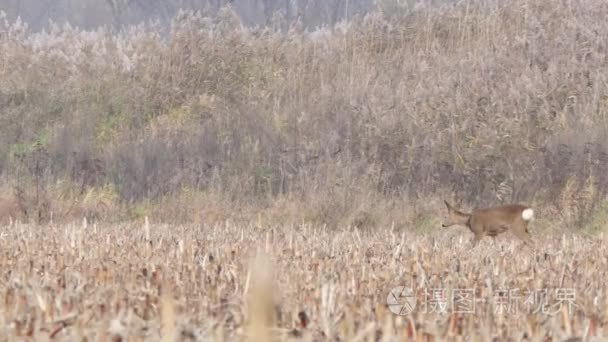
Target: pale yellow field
(195, 283)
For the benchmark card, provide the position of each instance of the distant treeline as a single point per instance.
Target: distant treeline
(88, 14)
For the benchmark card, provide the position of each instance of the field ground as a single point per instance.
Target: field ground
(148, 282)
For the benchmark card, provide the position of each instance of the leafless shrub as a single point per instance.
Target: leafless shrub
(486, 101)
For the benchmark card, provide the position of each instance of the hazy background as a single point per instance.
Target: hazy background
(88, 14)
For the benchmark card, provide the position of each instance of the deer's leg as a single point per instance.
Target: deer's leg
(528, 241)
(525, 236)
(494, 243)
(476, 240)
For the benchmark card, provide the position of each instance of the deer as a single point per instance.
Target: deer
(493, 221)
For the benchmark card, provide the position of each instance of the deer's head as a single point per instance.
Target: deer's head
(454, 217)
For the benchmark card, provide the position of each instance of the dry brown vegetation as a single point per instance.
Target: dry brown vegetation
(173, 282)
(485, 102)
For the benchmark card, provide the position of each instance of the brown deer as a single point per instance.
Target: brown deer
(493, 221)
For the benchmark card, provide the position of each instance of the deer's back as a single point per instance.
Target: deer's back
(502, 215)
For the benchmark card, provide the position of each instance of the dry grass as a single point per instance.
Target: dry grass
(482, 100)
(229, 282)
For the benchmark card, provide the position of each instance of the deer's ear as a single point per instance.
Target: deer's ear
(447, 205)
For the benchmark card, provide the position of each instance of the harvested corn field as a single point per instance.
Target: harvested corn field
(232, 282)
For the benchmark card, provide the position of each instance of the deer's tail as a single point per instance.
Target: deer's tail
(527, 214)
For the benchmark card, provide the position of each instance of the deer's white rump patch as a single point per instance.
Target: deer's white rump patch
(527, 214)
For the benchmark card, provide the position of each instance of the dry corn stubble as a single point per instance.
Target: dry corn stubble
(197, 282)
